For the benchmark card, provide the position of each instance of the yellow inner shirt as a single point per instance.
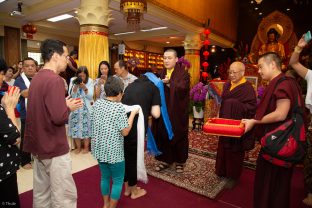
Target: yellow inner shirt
(242, 81)
(169, 72)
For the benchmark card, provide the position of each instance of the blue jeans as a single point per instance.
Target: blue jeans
(115, 171)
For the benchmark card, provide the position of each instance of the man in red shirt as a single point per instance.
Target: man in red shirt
(45, 135)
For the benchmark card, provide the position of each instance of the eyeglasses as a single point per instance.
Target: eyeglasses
(233, 72)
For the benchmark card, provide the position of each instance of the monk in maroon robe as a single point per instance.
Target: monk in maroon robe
(272, 182)
(238, 102)
(177, 84)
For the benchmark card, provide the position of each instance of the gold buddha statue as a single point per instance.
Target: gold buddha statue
(273, 45)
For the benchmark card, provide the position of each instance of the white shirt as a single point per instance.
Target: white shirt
(308, 99)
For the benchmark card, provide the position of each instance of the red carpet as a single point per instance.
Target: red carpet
(162, 194)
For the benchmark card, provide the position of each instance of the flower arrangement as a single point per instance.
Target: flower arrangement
(184, 61)
(198, 95)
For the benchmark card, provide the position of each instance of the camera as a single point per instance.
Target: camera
(77, 81)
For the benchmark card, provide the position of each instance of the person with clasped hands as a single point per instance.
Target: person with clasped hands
(9, 152)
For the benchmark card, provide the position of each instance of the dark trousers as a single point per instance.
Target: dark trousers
(272, 185)
(9, 192)
(130, 147)
(25, 156)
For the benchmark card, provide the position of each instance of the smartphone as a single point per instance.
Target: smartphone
(307, 37)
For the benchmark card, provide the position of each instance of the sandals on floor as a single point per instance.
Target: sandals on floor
(161, 166)
(179, 168)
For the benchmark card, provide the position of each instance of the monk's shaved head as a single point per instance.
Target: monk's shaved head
(237, 65)
(236, 71)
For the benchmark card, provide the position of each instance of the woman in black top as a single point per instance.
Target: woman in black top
(9, 153)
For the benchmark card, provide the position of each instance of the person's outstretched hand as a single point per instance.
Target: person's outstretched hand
(74, 103)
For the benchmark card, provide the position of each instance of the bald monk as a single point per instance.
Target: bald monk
(238, 101)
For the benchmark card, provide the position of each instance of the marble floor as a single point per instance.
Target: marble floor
(79, 162)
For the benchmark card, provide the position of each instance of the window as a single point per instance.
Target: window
(36, 56)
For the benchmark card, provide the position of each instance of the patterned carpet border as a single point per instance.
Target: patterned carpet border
(198, 175)
(206, 145)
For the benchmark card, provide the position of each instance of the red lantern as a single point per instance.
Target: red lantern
(205, 75)
(206, 54)
(207, 32)
(29, 29)
(205, 65)
(206, 43)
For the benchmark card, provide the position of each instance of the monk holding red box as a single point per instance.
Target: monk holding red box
(238, 102)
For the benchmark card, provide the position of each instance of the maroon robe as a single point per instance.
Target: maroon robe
(272, 183)
(177, 100)
(237, 104)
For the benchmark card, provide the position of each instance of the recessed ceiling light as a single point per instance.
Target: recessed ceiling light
(251, 2)
(260, 13)
(124, 33)
(256, 8)
(167, 42)
(172, 37)
(287, 9)
(60, 17)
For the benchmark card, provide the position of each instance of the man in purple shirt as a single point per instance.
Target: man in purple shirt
(45, 135)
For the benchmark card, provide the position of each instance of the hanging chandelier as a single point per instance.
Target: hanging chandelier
(133, 10)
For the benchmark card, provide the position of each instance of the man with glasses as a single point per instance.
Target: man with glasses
(238, 101)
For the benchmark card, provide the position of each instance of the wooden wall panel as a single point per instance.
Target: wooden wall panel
(223, 14)
(12, 45)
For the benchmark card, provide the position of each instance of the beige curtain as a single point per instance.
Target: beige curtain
(93, 48)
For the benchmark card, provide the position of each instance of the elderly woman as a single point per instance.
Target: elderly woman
(81, 87)
(9, 138)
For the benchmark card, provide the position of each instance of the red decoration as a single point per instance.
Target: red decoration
(205, 75)
(205, 65)
(207, 32)
(206, 54)
(29, 29)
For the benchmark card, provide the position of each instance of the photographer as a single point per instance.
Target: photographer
(81, 87)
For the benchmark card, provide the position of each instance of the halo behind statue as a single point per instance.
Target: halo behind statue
(280, 22)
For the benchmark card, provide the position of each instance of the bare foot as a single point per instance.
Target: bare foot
(77, 151)
(128, 191)
(308, 200)
(84, 151)
(27, 166)
(138, 193)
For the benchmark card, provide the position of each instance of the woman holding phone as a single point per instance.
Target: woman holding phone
(103, 73)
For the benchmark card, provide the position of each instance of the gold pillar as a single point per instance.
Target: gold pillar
(192, 45)
(93, 17)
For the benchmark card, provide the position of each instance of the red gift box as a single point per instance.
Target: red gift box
(224, 127)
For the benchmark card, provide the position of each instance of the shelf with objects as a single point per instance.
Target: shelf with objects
(155, 60)
(140, 55)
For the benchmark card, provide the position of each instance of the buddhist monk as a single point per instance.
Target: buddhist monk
(238, 101)
(272, 182)
(176, 89)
